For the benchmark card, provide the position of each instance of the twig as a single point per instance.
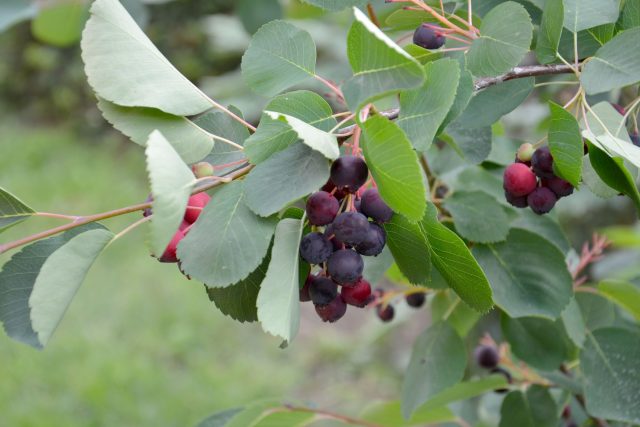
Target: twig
(372, 15)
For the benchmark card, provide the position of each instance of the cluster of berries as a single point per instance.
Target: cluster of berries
(531, 181)
(341, 234)
(488, 357)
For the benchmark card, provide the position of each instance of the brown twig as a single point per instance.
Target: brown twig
(589, 255)
(332, 415)
(372, 15)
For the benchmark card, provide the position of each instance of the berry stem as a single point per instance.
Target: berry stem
(443, 20)
(56, 216)
(335, 89)
(372, 15)
(131, 227)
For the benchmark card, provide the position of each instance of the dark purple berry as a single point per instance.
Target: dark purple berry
(518, 202)
(374, 242)
(331, 188)
(350, 227)
(358, 295)
(304, 291)
(345, 266)
(322, 290)
(518, 180)
(559, 186)
(428, 38)
(315, 248)
(349, 173)
(566, 412)
(506, 374)
(385, 313)
(374, 207)
(542, 162)
(415, 299)
(333, 311)
(337, 243)
(487, 356)
(542, 200)
(322, 208)
(635, 138)
(147, 212)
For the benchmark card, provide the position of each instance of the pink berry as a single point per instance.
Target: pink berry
(170, 253)
(519, 180)
(358, 295)
(196, 203)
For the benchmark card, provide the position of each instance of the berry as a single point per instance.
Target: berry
(542, 162)
(566, 412)
(374, 207)
(331, 188)
(374, 241)
(542, 200)
(170, 253)
(525, 152)
(195, 205)
(349, 173)
(635, 138)
(507, 375)
(351, 227)
(357, 295)
(518, 202)
(147, 212)
(202, 169)
(345, 266)
(322, 290)
(322, 208)
(337, 243)
(559, 186)
(385, 314)
(428, 38)
(486, 356)
(315, 248)
(333, 311)
(620, 109)
(304, 291)
(415, 299)
(519, 180)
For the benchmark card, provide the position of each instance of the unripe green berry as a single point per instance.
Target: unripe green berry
(202, 169)
(525, 152)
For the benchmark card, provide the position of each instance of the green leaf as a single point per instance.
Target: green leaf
(274, 135)
(220, 419)
(534, 408)
(625, 294)
(255, 14)
(279, 56)
(477, 216)
(454, 261)
(14, 11)
(239, 300)
(528, 275)
(593, 182)
(388, 414)
(394, 165)
(171, 184)
(111, 43)
(464, 92)
(284, 417)
(473, 145)
(505, 37)
(610, 363)
(221, 124)
(446, 306)
(597, 311)
(574, 323)
(319, 140)
(544, 226)
(403, 19)
(228, 241)
(61, 24)
(582, 14)
(336, 5)
(616, 64)
(379, 65)
(566, 144)
(423, 110)
(438, 361)
(278, 305)
(630, 14)
(376, 266)
(39, 282)
(463, 391)
(550, 31)
(538, 342)
(12, 210)
(284, 178)
(410, 249)
(190, 141)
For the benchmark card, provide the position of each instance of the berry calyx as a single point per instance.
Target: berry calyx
(542, 200)
(202, 169)
(372, 205)
(559, 186)
(542, 162)
(170, 253)
(315, 248)
(374, 241)
(487, 356)
(428, 38)
(416, 299)
(349, 173)
(518, 202)
(357, 295)
(525, 152)
(322, 208)
(350, 227)
(333, 311)
(322, 290)
(196, 203)
(345, 267)
(519, 180)
(385, 313)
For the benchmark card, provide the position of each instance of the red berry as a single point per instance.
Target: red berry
(170, 254)
(385, 314)
(332, 311)
(542, 200)
(322, 208)
(559, 186)
(357, 295)
(196, 203)
(519, 180)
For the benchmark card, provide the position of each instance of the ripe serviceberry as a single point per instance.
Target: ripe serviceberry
(170, 253)
(415, 299)
(322, 290)
(518, 202)
(542, 200)
(525, 152)
(315, 248)
(202, 169)
(374, 207)
(374, 241)
(337, 243)
(385, 313)
(349, 173)
(358, 295)
(304, 290)
(331, 188)
(487, 356)
(333, 311)
(195, 205)
(559, 186)
(428, 37)
(542, 162)
(322, 208)
(519, 180)
(350, 227)
(345, 267)
(506, 374)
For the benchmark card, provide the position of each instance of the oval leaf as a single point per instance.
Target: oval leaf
(477, 216)
(410, 249)
(12, 210)
(566, 144)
